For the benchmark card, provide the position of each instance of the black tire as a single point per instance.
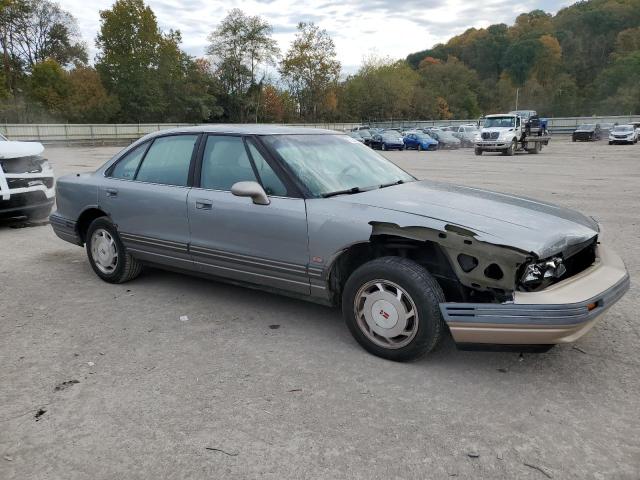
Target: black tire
(610, 143)
(537, 149)
(478, 151)
(383, 147)
(127, 268)
(422, 289)
(511, 149)
(573, 139)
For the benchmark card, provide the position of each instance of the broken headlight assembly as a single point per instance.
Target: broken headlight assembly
(542, 274)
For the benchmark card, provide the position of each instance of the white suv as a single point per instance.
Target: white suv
(26, 180)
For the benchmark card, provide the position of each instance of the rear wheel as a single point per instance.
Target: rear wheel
(392, 308)
(107, 255)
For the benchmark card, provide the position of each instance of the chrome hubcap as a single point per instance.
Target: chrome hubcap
(386, 314)
(103, 251)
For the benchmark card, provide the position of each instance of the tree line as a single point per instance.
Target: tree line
(584, 60)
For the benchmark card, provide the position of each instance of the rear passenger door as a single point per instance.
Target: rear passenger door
(145, 194)
(234, 238)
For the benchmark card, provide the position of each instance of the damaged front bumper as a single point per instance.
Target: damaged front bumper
(561, 313)
(24, 192)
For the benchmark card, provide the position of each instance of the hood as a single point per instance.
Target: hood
(20, 149)
(497, 129)
(502, 219)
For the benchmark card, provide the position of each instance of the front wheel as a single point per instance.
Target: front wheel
(511, 149)
(478, 151)
(392, 308)
(107, 255)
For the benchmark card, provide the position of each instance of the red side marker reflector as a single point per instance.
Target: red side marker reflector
(591, 306)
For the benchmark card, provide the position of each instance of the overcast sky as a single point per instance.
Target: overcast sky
(391, 28)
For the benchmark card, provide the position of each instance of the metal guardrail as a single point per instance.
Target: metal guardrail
(121, 132)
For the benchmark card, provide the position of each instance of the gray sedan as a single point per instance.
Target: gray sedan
(317, 215)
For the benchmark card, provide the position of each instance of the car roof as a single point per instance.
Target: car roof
(248, 129)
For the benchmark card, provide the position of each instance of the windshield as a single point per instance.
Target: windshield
(623, 128)
(493, 122)
(391, 136)
(330, 163)
(586, 126)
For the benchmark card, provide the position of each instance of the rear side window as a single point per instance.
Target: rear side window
(270, 181)
(168, 160)
(225, 162)
(126, 167)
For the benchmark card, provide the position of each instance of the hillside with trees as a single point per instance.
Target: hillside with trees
(584, 60)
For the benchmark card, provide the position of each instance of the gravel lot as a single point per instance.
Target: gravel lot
(226, 394)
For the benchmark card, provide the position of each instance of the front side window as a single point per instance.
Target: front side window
(225, 162)
(270, 182)
(126, 167)
(330, 163)
(167, 161)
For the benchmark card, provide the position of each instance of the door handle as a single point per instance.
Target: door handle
(111, 192)
(202, 204)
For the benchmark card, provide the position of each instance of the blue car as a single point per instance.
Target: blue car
(419, 141)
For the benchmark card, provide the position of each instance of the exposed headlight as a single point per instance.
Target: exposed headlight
(541, 274)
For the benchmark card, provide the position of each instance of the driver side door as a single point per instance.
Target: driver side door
(234, 238)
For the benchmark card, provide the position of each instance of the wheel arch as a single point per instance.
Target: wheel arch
(87, 216)
(427, 253)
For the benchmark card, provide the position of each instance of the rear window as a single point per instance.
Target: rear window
(167, 161)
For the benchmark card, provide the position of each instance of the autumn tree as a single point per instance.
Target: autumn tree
(310, 69)
(88, 100)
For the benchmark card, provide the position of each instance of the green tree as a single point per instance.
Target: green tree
(49, 86)
(127, 60)
(238, 47)
(456, 84)
(310, 69)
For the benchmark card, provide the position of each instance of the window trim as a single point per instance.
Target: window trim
(149, 143)
(292, 190)
(109, 171)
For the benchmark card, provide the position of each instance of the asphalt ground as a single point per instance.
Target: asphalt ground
(254, 385)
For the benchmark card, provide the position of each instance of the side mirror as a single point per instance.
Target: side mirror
(251, 189)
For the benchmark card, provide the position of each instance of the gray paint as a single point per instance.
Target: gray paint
(243, 241)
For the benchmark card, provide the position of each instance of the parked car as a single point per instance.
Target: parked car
(587, 132)
(445, 139)
(355, 135)
(366, 136)
(312, 214)
(360, 127)
(26, 180)
(467, 134)
(419, 141)
(623, 134)
(636, 125)
(387, 140)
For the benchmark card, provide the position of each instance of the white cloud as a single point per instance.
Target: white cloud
(392, 28)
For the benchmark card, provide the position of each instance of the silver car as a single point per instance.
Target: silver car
(317, 215)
